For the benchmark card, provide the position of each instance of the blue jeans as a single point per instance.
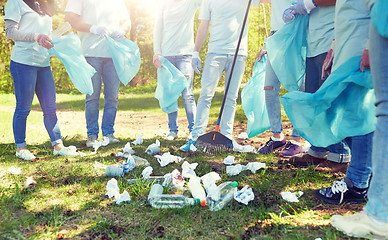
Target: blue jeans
(272, 101)
(215, 65)
(377, 205)
(183, 63)
(338, 152)
(105, 69)
(28, 80)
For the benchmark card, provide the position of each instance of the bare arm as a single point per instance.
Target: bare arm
(325, 2)
(201, 34)
(76, 22)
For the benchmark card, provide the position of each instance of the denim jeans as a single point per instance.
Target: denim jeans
(105, 70)
(338, 152)
(28, 80)
(183, 63)
(215, 65)
(272, 101)
(377, 205)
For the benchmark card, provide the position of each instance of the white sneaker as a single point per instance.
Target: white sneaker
(70, 151)
(171, 136)
(360, 225)
(25, 154)
(112, 139)
(91, 141)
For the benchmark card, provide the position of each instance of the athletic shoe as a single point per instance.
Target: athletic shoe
(91, 141)
(342, 191)
(320, 164)
(70, 151)
(25, 154)
(187, 145)
(272, 145)
(112, 139)
(360, 225)
(171, 136)
(291, 150)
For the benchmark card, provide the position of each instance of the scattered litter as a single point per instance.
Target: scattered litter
(140, 161)
(229, 160)
(245, 195)
(127, 151)
(209, 182)
(123, 197)
(139, 140)
(14, 170)
(155, 179)
(174, 178)
(114, 170)
(242, 148)
(29, 182)
(291, 196)
(98, 165)
(193, 148)
(147, 172)
(188, 169)
(236, 169)
(167, 158)
(243, 135)
(153, 148)
(211, 176)
(112, 188)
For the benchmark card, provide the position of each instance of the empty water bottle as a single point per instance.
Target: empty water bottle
(156, 179)
(157, 199)
(197, 190)
(226, 191)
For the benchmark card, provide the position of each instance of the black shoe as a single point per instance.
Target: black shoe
(342, 191)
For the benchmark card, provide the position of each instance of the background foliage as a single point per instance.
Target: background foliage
(142, 34)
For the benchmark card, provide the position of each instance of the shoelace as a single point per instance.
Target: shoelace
(269, 142)
(339, 187)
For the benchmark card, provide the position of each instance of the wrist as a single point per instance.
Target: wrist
(93, 29)
(309, 5)
(195, 54)
(36, 35)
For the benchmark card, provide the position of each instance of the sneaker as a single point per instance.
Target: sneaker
(272, 145)
(342, 191)
(112, 139)
(25, 154)
(320, 164)
(171, 136)
(360, 225)
(70, 151)
(292, 148)
(91, 141)
(187, 145)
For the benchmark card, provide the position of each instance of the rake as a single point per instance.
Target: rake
(214, 142)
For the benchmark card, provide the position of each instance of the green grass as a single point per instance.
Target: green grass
(69, 199)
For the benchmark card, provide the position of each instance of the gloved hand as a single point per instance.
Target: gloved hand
(156, 61)
(100, 31)
(196, 62)
(288, 16)
(117, 35)
(302, 7)
(364, 60)
(44, 41)
(261, 53)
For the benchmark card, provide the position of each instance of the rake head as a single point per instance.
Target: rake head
(214, 142)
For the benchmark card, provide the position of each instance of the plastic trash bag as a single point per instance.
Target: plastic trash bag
(379, 17)
(342, 107)
(253, 100)
(171, 83)
(287, 51)
(126, 58)
(68, 50)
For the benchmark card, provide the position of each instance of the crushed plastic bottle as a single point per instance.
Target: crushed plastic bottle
(157, 199)
(197, 190)
(156, 179)
(226, 194)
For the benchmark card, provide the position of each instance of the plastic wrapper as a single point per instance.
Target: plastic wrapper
(147, 172)
(167, 158)
(112, 188)
(188, 169)
(244, 196)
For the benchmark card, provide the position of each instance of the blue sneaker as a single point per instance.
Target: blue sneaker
(187, 145)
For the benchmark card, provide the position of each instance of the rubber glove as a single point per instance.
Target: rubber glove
(364, 60)
(328, 63)
(196, 62)
(117, 35)
(44, 41)
(302, 7)
(100, 31)
(156, 61)
(288, 16)
(261, 53)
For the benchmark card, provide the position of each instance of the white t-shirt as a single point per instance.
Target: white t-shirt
(29, 53)
(278, 7)
(104, 13)
(174, 27)
(226, 18)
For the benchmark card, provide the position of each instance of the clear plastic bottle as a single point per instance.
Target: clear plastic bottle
(226, 192)
(197, 190)
(157, 199)
(155, 179)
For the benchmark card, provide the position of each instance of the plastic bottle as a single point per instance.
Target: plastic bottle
(226, 191)
(157, 199)
(156, 179)
(197, 190)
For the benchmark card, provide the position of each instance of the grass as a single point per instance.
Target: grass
(69, 199)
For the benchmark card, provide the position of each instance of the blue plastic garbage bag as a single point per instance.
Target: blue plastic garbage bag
(287, 50)
(342, 107)
(126, 58)
(253, 100)
(171, 83)
(379, 17)
(68, 50)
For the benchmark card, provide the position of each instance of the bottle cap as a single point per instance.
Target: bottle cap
(197, 201)
(234, 184)
(203, 203)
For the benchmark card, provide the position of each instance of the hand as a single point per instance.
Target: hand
(288, 16)
(196, 62)
(100, 31)
(261, 53)
(156, 61)
(117, 35)
(299, 8)
(44, 41)
(327, 64)
(364, 60)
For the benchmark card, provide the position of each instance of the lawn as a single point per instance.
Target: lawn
(69, 201)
